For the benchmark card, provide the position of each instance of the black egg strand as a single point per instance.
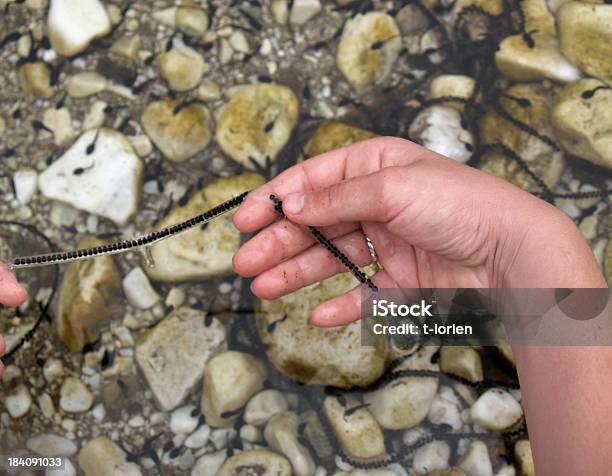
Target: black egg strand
(125, 245)
(348, 264)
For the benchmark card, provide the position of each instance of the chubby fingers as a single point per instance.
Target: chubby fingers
(279, 242)
(11, 292)
(311, 266)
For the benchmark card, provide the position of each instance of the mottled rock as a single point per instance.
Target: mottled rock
(356, 429)
(75, 396)
(518, 61)
(524, 457)
(439, 128)
(314, 355)
(49, 444)
(257, 122)
(281, 434)
(368, 48)
(404, 402)
(100, 174)
(230, 379)
(476, 461)
(496, 410)
(585, 37)
(35, 79)
(173, 354)
(528, 103)
(581, 116)
(209, 464)
(90, 297)
(332, 135)
(454, 85)
(264, 406)
(255, 462)
(201, 253)
(463, 361)
(138, 289)
(431, 457)
(73, 24)
(180, 131)
(182, 67)
(18, 401)
(101, 457)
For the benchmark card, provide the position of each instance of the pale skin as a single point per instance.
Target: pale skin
(435, 223)
(438, 223)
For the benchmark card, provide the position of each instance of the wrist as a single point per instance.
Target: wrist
(550, 252)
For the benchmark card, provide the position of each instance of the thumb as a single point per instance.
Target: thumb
(11, 292)
(358, 199)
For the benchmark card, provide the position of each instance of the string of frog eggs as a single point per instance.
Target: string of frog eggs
(471, 115)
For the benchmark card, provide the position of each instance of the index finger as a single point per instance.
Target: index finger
(361, 158)
(11, 292)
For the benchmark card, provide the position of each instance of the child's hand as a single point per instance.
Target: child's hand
(11, 294)
(434, 223)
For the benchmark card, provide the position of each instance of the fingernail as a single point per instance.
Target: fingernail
(293, 203)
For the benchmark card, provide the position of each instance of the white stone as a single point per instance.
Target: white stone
(181, 421)
(209, 464)
(477, 462)
(101, 457)
(239, 42)
(280, 11)
(166, 16)
(175, 298)
(18, 401)
(281, 434)
(264, 406)
(75, 396)
(173, 354)
(250, 433)
(53, 369)
(524, 457)
(105, 182)
(45, 403)
(86, 84)
(182, 67)
(99, 412)
(230, 379)
(438, 128)
(198, 438)
(431, 457)
(304, 10)
(26, 184)
(405, 402)
(496, 410)
(463, 361)
(138, 289)
(455, 85)
(73, 24)
(446, 408)
(49, 444)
